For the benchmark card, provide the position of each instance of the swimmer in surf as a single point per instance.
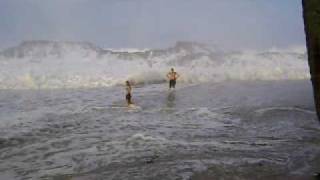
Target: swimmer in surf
(128, 93)
(172, 76)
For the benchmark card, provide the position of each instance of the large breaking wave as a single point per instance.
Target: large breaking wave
(48, 64)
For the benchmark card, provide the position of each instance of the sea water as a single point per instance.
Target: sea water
(232, 129)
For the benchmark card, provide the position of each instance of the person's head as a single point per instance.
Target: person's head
(127, 83)
(172, 70)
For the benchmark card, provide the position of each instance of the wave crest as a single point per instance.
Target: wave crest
(95, 67)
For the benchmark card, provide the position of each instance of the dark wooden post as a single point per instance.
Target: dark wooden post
(311, 16)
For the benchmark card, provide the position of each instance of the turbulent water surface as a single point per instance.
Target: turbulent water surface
(56, 65)
(236, 129)
(234, 115)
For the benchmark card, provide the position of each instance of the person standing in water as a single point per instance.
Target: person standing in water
(172, 76)
(128, 93)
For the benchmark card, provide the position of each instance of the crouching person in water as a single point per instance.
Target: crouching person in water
(128, 93)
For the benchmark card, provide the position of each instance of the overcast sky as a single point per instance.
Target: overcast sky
(234, 24)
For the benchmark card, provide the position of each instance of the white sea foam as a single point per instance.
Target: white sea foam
(129, 50)
(72, 65)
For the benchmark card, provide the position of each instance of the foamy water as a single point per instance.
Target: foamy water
(56, 65)
(233, 114)
(90, 134)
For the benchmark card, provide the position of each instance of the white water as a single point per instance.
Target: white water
(212, 122)
(239, 128)
(73, 65)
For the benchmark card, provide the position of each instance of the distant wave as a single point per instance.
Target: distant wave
(129, 50)
(75, 65)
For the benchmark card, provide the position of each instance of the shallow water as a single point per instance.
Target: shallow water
(90, 134)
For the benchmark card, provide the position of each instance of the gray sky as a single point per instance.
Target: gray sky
(234, 24)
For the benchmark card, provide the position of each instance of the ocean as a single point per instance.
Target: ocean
(233, 115)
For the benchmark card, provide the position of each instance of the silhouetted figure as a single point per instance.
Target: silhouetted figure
(172, 76)
(128, 93)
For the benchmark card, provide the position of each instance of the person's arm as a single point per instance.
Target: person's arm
(168, 75)
(178, 75)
